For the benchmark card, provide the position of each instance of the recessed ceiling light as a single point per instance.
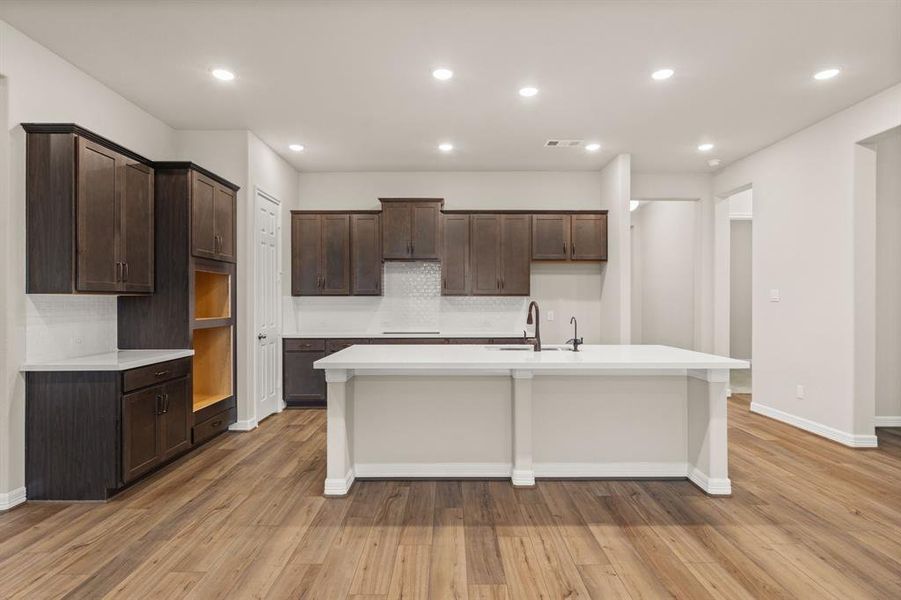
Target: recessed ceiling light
(296, 147)
(593, 147)
(223, 74)
(661, 74)
(528, 91)
(826, 74)
(705, 147)
(442, 74)
(445, 146)
(633, 204)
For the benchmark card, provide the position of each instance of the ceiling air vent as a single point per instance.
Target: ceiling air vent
(562, 143)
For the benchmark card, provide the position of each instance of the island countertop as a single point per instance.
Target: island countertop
(502, 358)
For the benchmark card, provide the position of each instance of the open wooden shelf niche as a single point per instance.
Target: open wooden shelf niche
(212, 366)
(212, 297)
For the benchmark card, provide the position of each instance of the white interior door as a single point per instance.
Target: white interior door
(266, 305)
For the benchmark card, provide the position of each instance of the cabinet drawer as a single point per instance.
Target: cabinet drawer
(294, 345)
(214, 425)
(151, 374)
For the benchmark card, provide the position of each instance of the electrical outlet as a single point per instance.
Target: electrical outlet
(799, 392)
(550, 315)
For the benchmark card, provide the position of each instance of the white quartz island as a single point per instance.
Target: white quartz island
(462, 411)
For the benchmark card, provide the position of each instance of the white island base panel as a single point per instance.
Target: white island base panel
(525, 424)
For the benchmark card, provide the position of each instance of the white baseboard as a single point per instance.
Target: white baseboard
(433, 470)
(245, 425)
(842, 437)
(340, 486)
(888, 421)
(601, 470)
(714, 487)
(11, 499)
(522, 478)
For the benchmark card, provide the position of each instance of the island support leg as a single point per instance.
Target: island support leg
(523, 472)
(708, 448)
(339, 468)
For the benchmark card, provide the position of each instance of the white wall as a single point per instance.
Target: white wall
(807, 245)
(591, 292)
(40, 86)
(888, 275)
(664, 272)
(740, 290)
(697, 187)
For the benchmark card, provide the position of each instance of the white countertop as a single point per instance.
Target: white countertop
(401, 334)
(121, 360)
(445, 357)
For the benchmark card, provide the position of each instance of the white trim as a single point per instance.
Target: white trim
(245, 425)
(887, 421)
(10, 499)
(433, 470)
(523, 478)
(842, 437)
(339, 487)
(607, 470)
(338, 375)
(741, 217)
(714, 487)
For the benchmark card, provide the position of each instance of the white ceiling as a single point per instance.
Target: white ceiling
(351, 80)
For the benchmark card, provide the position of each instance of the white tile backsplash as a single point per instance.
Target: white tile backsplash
(66, 326)
(412, 301)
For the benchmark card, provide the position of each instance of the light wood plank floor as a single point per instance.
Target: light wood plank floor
(244, 518)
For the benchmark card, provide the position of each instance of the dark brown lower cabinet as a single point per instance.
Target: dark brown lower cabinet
(90, 433)
(304, 387)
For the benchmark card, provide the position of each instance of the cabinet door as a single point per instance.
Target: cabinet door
(137, 228)
(426, 220)
(176, 419)
(224, 223)
(335, 255)
(589, 237)
(302, 384)
(455, 256)
(98, 196)
(306, 254)
(366, 255)
(203, 202)
(550, 237)
(396, 230)
(485, 258)
(516, 245)
(140, 433)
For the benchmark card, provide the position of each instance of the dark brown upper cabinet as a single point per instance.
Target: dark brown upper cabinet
(89, 214)
(589, 237)
(455, 270)
(320, 254)
(500, 254)
(213, 208)
(550, 237)
(569, 237)
(411, 228)
(366, 254)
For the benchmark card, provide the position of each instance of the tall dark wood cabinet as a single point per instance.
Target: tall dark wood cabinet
(455, 271)
(411, 228)
(195, 303)
(500, 254)
(89, 214)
